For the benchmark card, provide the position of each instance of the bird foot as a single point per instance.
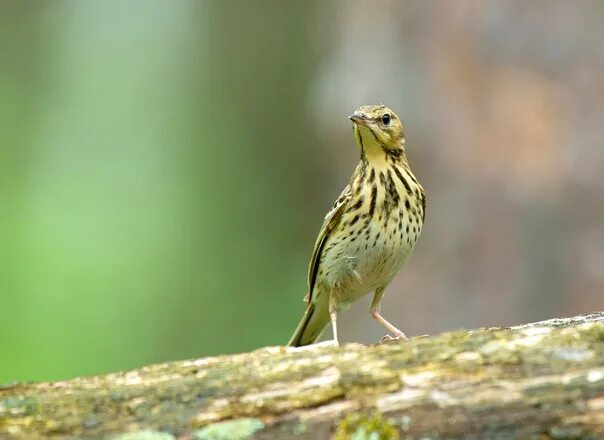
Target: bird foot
(398, 337)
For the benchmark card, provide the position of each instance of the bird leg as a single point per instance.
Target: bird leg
(333, 313)
(376, 305)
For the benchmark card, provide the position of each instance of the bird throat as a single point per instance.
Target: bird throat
(375, 152)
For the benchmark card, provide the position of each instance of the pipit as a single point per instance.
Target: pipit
(369, 233)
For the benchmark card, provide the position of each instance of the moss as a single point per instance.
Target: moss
(593, 332)
(360, 426)
(144, 435)
(18, 406)
(405, 423)
(239, 429)
(274, 382)
(300, 428)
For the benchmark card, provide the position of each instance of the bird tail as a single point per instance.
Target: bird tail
(311, 326)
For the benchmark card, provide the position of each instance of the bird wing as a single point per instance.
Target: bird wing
(331, 221)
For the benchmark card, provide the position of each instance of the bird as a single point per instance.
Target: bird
(369, 233)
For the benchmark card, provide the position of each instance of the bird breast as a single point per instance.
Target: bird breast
(359, 259)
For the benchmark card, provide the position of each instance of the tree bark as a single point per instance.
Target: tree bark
(540, 381)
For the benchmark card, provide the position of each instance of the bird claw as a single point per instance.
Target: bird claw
(389, 338)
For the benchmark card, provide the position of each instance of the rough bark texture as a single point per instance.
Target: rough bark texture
(539, 381)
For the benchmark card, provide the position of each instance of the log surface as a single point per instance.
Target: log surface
(541, 381)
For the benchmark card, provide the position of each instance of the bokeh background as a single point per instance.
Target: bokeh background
(165, 168)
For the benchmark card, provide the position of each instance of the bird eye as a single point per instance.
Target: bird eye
(386, 119)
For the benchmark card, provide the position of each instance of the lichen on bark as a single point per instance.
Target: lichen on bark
(543, 379)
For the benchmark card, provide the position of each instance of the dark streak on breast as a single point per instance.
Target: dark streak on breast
(392, 192)
(372, 175)
(403, 180)
(373, 200)
(357, 205)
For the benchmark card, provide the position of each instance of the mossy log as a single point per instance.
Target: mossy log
(537, 381)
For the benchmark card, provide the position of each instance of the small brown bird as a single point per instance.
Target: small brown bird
(371, 230)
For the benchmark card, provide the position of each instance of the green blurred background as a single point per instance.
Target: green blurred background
(165, 168)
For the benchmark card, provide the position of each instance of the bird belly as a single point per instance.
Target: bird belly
(358, 264)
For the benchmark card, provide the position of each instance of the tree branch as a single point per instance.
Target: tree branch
(542, 380)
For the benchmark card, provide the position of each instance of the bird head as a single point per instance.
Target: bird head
(377, 128)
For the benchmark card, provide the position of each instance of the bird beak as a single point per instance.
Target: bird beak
(358, 118)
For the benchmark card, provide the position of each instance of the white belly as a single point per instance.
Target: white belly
(355, 266)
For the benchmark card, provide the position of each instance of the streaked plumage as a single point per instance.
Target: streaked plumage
(371, 230)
